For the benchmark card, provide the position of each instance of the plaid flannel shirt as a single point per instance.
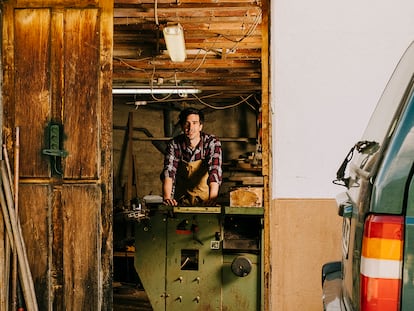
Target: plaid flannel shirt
(208, 149)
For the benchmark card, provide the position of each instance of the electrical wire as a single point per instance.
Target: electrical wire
(249, 104)
(210, 49)
(244, 100)
(250, 31)
(193, 70)
(178, 99)
(123, 61)
(152, 87)
(201, 101)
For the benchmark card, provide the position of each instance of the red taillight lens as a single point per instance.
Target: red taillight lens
(381, 263)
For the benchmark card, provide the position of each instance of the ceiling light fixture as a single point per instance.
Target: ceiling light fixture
(174, 40)
(133, 91)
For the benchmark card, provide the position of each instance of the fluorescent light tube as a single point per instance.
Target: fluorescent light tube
(174, 39)
(125, 91)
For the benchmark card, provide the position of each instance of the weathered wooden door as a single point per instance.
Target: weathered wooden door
(57, 62)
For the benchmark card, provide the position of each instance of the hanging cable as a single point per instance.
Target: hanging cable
(244, 100)
(152, 87)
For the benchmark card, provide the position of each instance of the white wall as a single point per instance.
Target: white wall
(330, 61)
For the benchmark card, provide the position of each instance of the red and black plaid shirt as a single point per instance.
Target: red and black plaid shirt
(208, 149)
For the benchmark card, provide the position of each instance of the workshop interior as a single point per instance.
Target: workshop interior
(168, 56)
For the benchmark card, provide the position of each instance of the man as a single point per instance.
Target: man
(192, 171)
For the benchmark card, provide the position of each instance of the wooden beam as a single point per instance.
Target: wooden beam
(247, 12)
(181, 2)
(266, 157)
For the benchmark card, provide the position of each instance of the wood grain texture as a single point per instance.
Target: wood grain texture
(35, 222)
(58, 67)
(32, 86)
(81, 89)
(81, 246)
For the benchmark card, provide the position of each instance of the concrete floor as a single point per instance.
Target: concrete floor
(129, 297)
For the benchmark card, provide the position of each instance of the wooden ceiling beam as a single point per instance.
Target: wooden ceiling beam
(240, 20)
(190, 11)
(206, 89)
(137, 55)
(187, 2)
(210, 27)
(190, 35)
(207, 46)
(169, 76)
(230, 64)
(142, 78)
(199, 24)
(132, 26)
(140, 39)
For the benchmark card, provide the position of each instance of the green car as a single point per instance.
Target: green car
(376, 271)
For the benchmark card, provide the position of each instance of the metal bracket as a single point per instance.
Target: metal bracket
(54, 137)
(54, 142)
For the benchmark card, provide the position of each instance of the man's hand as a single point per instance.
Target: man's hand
(210, 202)
(170, 202)
(167, 189)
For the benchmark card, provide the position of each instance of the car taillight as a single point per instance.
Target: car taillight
(381, 263)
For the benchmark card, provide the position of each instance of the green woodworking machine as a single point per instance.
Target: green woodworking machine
(200, 258)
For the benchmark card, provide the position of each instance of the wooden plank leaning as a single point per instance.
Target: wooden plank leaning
(4, 264)
(24, 269)
(14, 279)
(9, 247)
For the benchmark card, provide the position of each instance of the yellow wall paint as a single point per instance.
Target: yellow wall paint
(304, 234)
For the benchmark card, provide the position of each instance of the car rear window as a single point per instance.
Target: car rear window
(380, 125)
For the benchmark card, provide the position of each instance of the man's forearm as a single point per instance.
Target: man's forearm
(214, 190)
(167, 188)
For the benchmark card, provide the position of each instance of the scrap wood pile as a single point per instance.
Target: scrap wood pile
(18, 292)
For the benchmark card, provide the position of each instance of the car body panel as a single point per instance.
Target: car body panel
(380, 181)
(332, 292)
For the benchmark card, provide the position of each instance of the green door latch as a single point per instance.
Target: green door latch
(54, 135)
(54, 142)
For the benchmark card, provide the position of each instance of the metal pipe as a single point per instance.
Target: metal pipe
(167, 122)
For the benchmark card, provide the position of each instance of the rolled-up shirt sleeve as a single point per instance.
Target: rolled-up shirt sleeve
(170, 161)
(215, 173)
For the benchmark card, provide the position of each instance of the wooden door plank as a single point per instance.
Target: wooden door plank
(81, 89)
(32, 87)
(81, 246)
(57, 65)
(106, 165)
(34, 215)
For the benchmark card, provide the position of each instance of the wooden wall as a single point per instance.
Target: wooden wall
(57, 61)
(306, 233)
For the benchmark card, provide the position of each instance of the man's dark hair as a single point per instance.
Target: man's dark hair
(186, 112)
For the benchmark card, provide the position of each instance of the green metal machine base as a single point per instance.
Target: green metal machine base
(200, 259)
